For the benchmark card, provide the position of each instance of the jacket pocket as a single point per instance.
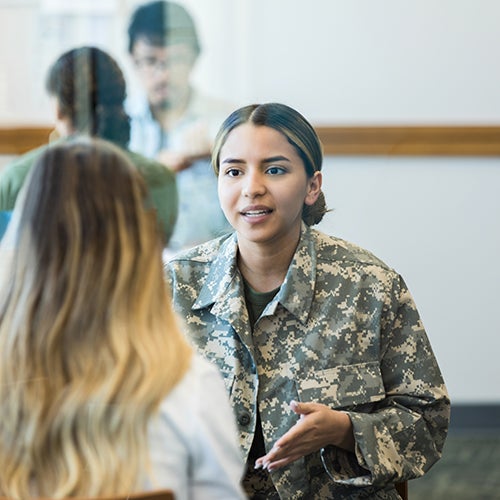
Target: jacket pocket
(343, 386)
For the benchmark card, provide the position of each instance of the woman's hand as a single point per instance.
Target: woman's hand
(318, 426)
(194, 145)
(174, 160)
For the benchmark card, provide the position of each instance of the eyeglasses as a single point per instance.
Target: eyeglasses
(152, 64)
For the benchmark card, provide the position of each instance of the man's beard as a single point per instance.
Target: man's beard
(173, 102)
(164, 105)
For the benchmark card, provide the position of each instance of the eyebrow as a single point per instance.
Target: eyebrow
(271, 159)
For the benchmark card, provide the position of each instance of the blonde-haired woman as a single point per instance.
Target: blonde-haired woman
(99, 392)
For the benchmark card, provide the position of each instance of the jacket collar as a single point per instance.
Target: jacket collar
(297, 291)
(224, 285)
(223, 276)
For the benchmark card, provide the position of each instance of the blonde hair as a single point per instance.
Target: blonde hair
(297, 131)
(89, 344)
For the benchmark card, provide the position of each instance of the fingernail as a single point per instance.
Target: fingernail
(257, 466)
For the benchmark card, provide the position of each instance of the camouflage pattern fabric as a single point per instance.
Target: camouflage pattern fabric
(258, 484)
(344, 331)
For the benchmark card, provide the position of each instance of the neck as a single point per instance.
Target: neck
(63, 127)
(264, 267)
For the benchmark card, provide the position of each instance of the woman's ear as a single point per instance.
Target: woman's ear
(62, 123)
(313, 188)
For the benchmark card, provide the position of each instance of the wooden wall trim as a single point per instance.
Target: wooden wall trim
(16, 140)
(411, 140)
(338, 140)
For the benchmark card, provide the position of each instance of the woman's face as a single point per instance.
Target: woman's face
(263, 185)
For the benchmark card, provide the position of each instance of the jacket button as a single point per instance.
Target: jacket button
(244, 419)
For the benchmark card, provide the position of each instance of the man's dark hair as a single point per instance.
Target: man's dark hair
(163, 23)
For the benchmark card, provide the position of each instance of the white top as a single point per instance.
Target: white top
(193, 441)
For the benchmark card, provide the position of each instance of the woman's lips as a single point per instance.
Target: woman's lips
(256, 213)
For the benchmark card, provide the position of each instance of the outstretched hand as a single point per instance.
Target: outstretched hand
(174, 160)
(317, 427)
(194, 145)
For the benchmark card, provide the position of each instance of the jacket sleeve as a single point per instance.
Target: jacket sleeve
(165, 199)
(10, 185)
(163, 194)
(403, 434)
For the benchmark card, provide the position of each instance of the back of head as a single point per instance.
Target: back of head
(298, 132)
(89, 345)
(90, 89)
(163, 23)
(85, 202)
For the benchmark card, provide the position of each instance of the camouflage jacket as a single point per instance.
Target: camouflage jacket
(344, 331)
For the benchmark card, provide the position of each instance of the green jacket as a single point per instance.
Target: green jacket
(160, 182)
(343, 330)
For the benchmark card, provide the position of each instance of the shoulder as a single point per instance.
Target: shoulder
(209, 264)
(152, 170)
(202, 254)
(19, 167)
(333, 249)
(13, 175)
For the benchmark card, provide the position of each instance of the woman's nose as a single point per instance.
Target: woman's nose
(254, 185)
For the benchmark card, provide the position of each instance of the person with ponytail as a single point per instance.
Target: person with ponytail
(88, 91)
(100, 392)
(330, 373)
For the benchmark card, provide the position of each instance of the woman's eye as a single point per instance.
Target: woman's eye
(276, 170)
(233, 172)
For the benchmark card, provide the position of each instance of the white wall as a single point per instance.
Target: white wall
(436, 220)
(352, 61)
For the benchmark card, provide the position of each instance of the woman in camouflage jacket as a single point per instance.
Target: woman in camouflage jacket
(330, 373)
